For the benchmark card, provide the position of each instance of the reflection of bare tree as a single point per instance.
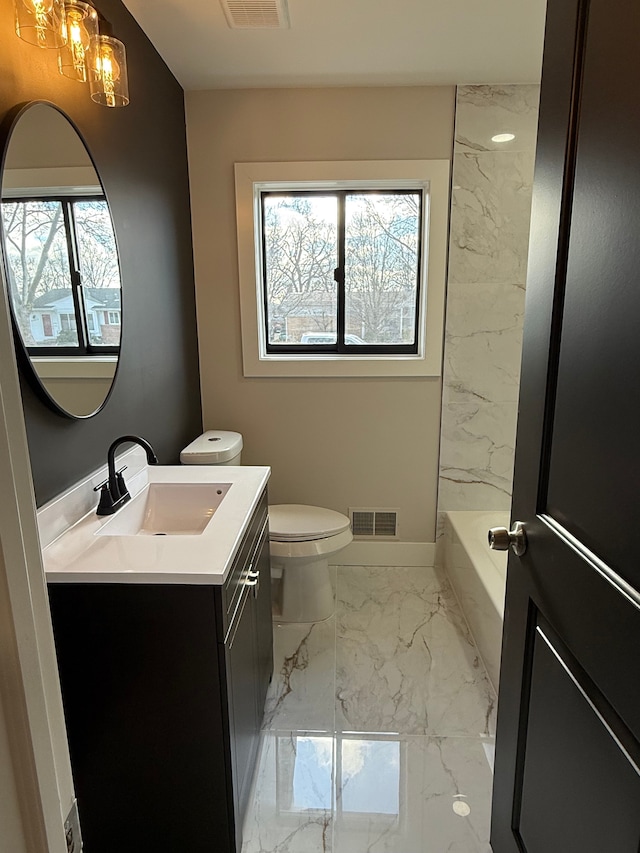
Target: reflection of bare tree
(381, 248)
(32, 234)
(96, 245)
(38, 255)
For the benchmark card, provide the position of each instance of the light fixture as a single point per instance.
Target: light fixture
(87, 48)
(80, 26)
(107, 67)
(40, 22)
(503, 137)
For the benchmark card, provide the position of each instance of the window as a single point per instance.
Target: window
(62, 265)
(341, 270)
(68, 322)
(342, 267)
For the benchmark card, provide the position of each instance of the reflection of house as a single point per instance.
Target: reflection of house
(53, 313)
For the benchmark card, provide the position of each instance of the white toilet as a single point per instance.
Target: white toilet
(302, 539)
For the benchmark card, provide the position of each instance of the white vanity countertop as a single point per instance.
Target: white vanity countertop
(82, 555)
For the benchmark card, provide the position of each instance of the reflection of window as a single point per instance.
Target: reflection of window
(367, 772)
(341, 270)
(62, 265)
(370, 776)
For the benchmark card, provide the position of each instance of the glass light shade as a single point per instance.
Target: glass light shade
(40, 22)
(80, 25)
(107, 67)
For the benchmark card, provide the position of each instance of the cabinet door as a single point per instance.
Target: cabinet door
(243, 711)
(264, 628)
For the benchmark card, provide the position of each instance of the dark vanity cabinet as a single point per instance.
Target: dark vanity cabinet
(163, 688)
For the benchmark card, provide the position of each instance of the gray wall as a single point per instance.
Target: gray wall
(140, 153)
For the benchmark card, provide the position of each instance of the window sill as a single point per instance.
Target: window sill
(340, 366)
(74, 367)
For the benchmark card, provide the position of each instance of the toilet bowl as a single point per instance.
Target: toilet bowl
(302, 539)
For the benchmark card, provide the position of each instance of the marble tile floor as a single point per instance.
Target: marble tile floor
(378, 729)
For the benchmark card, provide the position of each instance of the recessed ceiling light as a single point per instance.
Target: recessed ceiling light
(503, 137)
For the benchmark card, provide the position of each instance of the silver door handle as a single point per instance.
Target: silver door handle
(501, 539)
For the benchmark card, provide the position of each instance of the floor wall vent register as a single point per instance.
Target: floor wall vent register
(369, 523)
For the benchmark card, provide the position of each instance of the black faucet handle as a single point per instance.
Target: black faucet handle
(100, 485)
(123, 492)
(107, 503)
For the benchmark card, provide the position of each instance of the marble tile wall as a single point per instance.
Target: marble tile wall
(491, 203)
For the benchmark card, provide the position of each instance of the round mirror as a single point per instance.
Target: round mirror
(61, 261)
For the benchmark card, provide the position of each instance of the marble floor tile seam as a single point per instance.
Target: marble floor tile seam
(375, 735)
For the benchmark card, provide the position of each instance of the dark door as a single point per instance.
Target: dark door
(567, 754)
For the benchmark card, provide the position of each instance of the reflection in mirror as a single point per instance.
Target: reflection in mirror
(61, 261)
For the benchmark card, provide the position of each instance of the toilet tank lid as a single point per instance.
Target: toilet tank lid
(212, 447)
(300, 523)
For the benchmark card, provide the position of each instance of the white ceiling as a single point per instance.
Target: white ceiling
(350, 43)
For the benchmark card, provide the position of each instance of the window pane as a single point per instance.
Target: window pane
(99, 270)
(381, 267)
(39, 276)
(301, 254)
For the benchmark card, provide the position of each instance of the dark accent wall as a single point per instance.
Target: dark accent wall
(140, 153)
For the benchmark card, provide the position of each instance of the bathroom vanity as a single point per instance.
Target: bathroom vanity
(164, 672)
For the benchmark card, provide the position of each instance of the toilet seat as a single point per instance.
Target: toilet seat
(300, 523)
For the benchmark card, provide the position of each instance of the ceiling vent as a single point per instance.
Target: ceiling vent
(256, 14)
(370, 523)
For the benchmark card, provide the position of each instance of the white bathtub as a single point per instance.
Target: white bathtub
(478, 576)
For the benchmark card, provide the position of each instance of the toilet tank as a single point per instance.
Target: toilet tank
(214, 447)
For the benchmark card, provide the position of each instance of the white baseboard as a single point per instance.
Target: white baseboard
(387, 554)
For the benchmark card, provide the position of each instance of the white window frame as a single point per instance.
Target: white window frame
(432, 176)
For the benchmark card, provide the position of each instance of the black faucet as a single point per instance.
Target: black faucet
(114, 492)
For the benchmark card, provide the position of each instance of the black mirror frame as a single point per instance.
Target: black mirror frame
(7, 127)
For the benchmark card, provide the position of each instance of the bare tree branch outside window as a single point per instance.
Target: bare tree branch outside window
(380, 234)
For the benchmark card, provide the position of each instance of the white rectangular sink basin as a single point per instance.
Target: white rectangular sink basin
(167, 509)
